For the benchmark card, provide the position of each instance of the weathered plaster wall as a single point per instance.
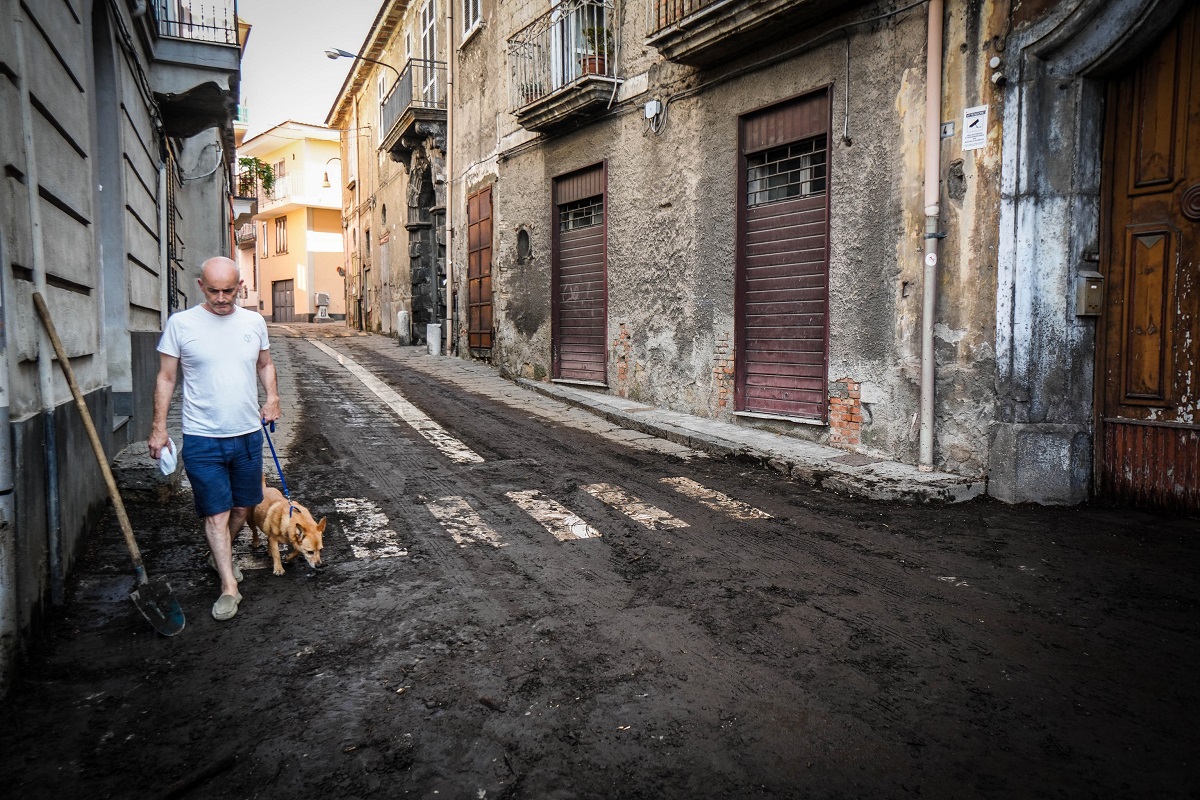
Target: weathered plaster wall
(672, 239)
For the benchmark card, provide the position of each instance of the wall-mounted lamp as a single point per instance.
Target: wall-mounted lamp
(325, 179)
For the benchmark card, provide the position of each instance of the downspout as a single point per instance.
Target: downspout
(449, 178)
(45, 367)
(933, 169)
(8, 519)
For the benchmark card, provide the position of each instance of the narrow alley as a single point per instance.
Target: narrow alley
(519, 599)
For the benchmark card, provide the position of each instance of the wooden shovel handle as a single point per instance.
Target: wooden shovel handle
(101, 458)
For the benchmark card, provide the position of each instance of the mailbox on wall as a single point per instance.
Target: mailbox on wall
(1089, 293)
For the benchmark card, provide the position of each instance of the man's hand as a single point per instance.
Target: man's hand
(157, 441)
(270, 410)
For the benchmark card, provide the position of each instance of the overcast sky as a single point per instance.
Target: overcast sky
(285, 74)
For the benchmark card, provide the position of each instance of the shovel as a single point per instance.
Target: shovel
(153, 598)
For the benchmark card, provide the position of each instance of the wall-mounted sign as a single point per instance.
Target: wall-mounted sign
(975, 128)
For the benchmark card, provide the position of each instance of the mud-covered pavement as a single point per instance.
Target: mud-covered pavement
(519, 602)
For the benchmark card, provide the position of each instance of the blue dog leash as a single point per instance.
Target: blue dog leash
(278, 468)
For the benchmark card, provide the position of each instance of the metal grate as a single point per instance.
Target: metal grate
(215, 21)
(784, 173)
(581, 214)
(574, 40)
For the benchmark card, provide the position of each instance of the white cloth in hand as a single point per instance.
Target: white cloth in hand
(167, 459)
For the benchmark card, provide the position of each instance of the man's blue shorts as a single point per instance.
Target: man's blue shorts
(225, 472)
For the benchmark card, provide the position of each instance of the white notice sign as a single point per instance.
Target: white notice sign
(975, 128)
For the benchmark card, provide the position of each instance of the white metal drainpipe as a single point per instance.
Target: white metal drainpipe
(449, 179)
(45, 365)
(933, 169)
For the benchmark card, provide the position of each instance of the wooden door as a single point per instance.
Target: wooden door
(579, 277)
(283, 301)
(479, 272)
(1148, 369)
(783, 260)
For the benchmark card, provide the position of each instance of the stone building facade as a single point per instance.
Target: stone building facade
(117, 147)
(690, 295)
(769, 213)
(392, 110)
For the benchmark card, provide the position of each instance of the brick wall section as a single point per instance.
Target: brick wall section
(623, 348)
(723, 373)
(845, 413)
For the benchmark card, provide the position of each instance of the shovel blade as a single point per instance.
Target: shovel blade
(158, 605)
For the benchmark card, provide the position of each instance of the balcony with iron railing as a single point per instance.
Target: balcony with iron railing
(707, 32)
(414, 107)
(300, 190)
(563, 66)
(247, 234)
(196, 62)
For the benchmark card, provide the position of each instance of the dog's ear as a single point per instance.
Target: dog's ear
(321, 525)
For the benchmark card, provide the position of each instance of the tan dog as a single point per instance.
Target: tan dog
(297, 530)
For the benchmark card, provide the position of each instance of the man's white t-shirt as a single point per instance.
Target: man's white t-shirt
(219, 355)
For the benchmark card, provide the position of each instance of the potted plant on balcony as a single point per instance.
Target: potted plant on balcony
(598, 44)
(252, 174)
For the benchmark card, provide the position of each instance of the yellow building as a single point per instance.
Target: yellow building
(298, 263)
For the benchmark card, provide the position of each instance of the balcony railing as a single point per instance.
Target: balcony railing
(246, 235)
(422, 85)
(214, 21)
(668, 12)
(242, 115)
(572, 42)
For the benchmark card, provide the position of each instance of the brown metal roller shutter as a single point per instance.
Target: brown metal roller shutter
(783, 261)
(579, 280)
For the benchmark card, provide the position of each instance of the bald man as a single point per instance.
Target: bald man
(222, 348)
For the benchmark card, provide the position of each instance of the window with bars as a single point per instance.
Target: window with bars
(581, 213)
(785, 173)
(471, 13)
(280, 235)
(263, 239)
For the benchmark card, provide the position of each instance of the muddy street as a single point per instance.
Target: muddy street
(521, 600)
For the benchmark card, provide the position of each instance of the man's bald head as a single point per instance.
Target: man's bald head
(218, 268)
(220, 281)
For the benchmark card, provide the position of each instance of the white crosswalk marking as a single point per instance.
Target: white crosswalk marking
(366, 529)
(644, 513)
(715, 500)
(463, 524)
(559, 521)
(452, 448)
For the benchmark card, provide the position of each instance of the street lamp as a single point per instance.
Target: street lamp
(325, 180)
(334, 53)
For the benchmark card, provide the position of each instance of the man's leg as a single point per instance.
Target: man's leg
(216, 530)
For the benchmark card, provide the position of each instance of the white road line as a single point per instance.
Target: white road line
(715, 500)
(366, 528)
(452, 448)
(562, 523)
(644, 513)
(462, 523)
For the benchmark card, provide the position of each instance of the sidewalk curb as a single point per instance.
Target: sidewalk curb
(802, 461)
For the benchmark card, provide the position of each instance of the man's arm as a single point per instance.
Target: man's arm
(266, 376)
(164, 389)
